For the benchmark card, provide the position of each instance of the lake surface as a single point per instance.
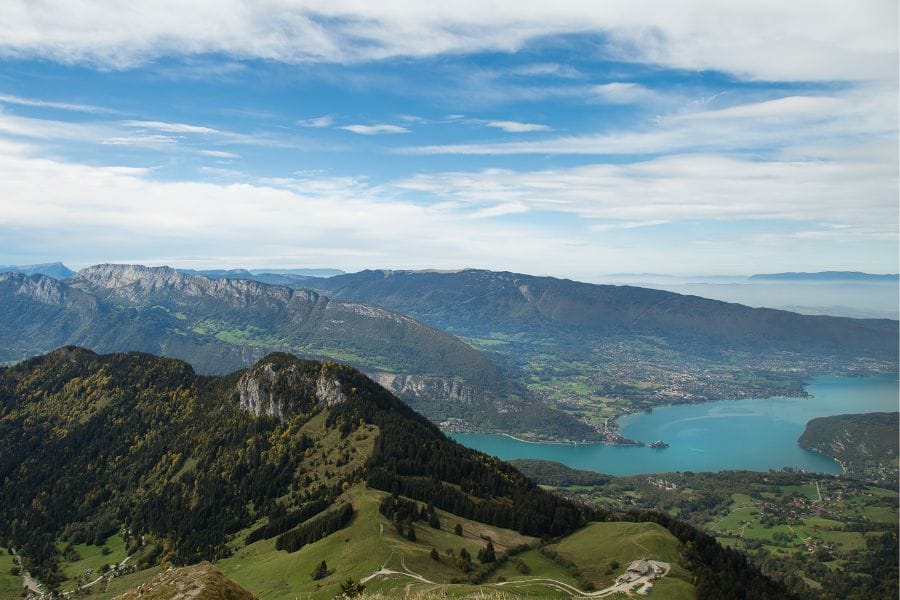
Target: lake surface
(753, 434)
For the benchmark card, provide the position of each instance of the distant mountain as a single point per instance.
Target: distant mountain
(55, 270)
(223, 324)
(826, 276)
(603, 350)
(475, 302)
(288, 279)
(301, 272)
(295, 476)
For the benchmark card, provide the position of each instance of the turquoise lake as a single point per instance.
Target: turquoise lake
(754, 434)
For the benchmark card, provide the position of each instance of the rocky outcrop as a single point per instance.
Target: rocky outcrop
(137, 284)
(419, 387)
(283, 391)
(199, 582)
(43, 289)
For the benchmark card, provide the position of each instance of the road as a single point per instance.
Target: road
(33, 585)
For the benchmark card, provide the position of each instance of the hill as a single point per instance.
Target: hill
(201, 582)
(223, 324)
(601, 350)
(275, 469)
(866, 445)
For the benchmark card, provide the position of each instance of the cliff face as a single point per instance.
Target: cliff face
(45, 290)
(282, 392)
(417, 387)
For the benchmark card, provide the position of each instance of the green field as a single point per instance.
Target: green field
(595, 547)
(10, 585)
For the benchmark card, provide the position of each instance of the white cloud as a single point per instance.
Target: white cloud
(809, 40)
(836, 120)
(517, 127)
(548, 70)
(684, 189)
(171, 127)
(623, 93)
(86, 108)
(220, 154)
(374, 129)
(446, 220)
(317, 122)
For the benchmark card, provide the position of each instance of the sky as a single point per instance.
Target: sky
(567, 138)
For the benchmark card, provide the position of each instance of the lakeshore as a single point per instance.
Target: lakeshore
(752, 434)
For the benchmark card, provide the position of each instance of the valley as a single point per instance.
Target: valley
(825, 536)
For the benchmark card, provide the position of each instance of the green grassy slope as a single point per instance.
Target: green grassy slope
(10, 585)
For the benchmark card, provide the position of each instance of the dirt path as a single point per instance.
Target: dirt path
(619, 588)
(560, 586)
(33, 585)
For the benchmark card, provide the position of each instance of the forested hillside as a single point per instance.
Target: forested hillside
(188, 468)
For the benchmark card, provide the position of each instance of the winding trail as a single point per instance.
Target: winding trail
(33, 585)
(560, 586)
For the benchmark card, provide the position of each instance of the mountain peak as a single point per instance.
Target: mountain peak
(282, 386)
(118, 275)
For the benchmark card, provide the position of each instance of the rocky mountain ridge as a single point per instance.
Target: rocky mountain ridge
(223, 324)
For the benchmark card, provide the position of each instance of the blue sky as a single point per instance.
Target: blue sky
(567, 138)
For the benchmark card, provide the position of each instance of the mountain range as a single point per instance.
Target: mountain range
(223, 324)
(828, 276)
(538, 355)
(476, 302)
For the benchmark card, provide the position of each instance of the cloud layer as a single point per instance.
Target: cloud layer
(759, 39)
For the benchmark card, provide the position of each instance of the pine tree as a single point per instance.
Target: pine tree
(486, 554)
(320, 572)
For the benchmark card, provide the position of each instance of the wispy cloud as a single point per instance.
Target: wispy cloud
(374, 129)
(171, 127)
(686, 188)
(84, 108)
(623, 93)
(517, 127)
(836, 120)
(220, 154)
(317, 122)
(548, 70)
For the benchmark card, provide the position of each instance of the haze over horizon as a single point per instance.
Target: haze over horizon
(570, 139)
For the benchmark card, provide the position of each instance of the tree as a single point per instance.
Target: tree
(411, 533)
(486, 554)
(458, 529)
(350, 588)
(320, 572)
(434, 554)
